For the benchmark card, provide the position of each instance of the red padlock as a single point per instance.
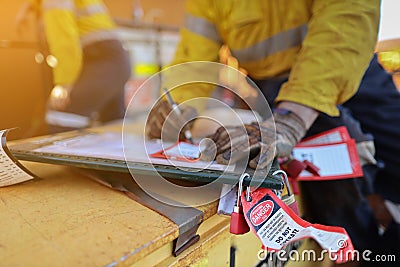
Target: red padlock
(238, 224)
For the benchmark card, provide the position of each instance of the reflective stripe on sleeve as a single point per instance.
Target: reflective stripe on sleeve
(65, 119)
(202, 27)
(97, 36)
(58, 4)
(97, 8)
(276, 43)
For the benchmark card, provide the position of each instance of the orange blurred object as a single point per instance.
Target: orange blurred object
(234, 77)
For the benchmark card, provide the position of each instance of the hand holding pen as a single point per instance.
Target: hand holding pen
(171, 121)
(175, 108)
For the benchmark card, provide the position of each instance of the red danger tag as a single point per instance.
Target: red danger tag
(261, 212)
(276, 225)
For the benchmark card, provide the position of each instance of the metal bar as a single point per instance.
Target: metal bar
(203, 176)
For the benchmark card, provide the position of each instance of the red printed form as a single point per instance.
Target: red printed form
(333, 152)
(182, 151)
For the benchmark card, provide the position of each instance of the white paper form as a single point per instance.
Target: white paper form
(11, 172)
(111, 145)
(333, 160)
(336, 135)
(183, 149)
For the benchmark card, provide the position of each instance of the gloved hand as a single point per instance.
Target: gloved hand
(172, 126)
(260, 142)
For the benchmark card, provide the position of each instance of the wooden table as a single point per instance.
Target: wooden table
(66, 219)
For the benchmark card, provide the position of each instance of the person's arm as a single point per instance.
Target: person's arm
(335, 54)
(63, 39)
(389, 57)
(199, 41)
(307, 114)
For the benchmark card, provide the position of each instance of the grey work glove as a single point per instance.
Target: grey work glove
(260, 142)
(162, 122)
(366, 153)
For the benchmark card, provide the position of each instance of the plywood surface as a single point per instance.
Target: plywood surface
(66, 219)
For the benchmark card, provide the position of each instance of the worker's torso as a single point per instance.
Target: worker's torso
(93, 20)
(265, 36)
(89, 16)
(71, 25)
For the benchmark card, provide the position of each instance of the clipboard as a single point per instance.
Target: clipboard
(30, 150)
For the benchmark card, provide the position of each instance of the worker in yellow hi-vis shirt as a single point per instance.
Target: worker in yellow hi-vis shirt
(90, 66)
(307, 57)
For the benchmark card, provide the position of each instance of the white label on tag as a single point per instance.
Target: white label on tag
(280, 229)
(276, 225)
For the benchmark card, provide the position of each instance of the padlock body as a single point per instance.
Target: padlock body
(238, 224)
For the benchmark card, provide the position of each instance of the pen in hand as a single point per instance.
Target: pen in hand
(187, 133)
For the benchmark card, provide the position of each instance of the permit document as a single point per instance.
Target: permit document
(11, 171)
(334, 152)
(182, 150)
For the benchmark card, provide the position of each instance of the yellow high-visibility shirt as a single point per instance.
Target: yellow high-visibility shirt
(325, 45)
(70, 25)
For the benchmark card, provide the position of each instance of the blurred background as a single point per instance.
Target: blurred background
(148, 28)
(150, 32)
